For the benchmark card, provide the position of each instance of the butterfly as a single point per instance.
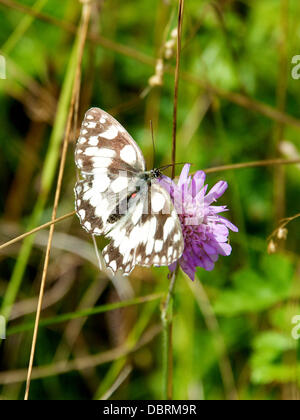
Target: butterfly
(118, 198)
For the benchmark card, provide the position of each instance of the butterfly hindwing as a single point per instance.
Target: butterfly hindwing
(101, 200)
(149, 235)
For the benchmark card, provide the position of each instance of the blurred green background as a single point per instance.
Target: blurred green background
(232, 326)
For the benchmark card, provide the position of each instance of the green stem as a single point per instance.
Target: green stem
(22, 27)
(84, 312)
(167, 359)
(47, 178)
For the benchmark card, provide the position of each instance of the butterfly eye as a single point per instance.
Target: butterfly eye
(133, 195)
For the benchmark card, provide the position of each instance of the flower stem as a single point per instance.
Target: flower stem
(167, 359)
(178, 48)
(78, 53)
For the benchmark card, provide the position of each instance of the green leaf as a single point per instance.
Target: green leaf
(266, 361)
(255, 290)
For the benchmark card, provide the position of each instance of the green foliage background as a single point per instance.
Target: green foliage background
(232, 326)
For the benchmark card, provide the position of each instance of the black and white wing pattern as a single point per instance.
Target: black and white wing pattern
(117, 198)
(150, 233)
(104, 144)
(109, 161)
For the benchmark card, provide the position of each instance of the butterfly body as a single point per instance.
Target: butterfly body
(117, 197)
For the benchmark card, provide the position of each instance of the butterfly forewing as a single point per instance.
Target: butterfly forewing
(104, 146)
(109, 161)
(116, 198)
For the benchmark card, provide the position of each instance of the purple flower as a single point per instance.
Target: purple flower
(205, 232)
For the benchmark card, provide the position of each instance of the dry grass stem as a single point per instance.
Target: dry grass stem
(234, 97)
(82, 32)
(37, 229)
(81, 363)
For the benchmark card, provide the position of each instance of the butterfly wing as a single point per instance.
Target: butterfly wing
(113, 198)
(150, 234)
(97, 204)
(105, 147)
(109, 161)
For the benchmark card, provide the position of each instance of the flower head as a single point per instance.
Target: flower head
(205, 232)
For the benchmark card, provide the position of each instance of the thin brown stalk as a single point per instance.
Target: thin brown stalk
(241, 100)
(176, 83)
(118, 382)
(279, 128)
(31, 232)
(167, 321)
(259, 163)
(283, 223)
(82, 32)
(234, 97)
(81, 363)
(39, 15)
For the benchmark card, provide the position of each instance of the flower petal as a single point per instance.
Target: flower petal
(216, 192)
(209, 249)
(208, 264)
(183, 179)
(197, 182)
(201, 194)
(173, 266)
(230, 225)
(225, 249)
(219, 229)
(207, 237)
(188, 269)
(168, 184)
(218, 209)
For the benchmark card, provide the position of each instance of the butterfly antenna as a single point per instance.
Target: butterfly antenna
(162, 168)
(153, 145)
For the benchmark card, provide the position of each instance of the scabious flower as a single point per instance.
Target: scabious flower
(205, 232)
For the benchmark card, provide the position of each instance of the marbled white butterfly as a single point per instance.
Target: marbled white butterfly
(118, 198)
